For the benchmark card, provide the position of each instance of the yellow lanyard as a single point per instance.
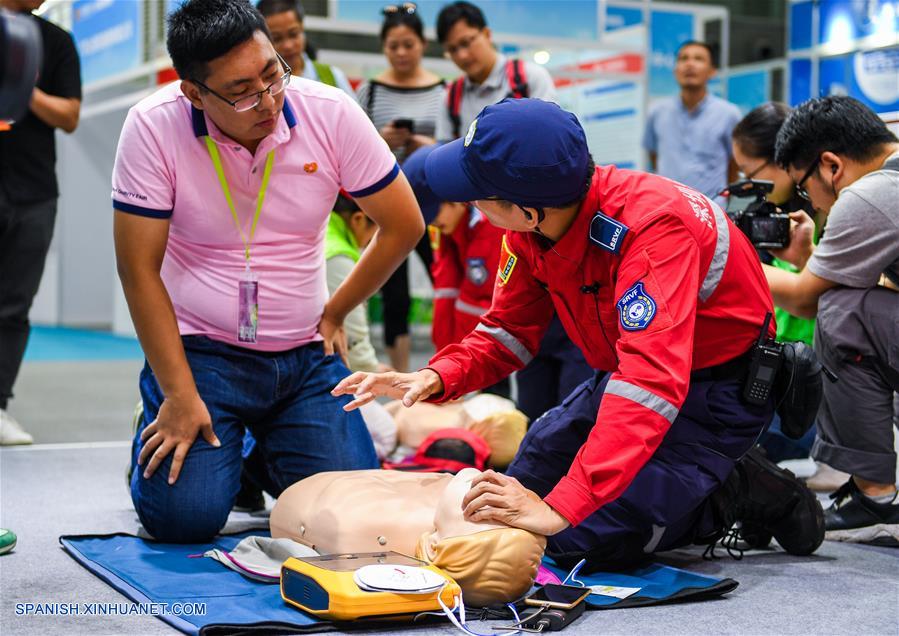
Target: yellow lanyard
(217, 162)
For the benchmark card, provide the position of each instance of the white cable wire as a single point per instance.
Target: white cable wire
(573, 572)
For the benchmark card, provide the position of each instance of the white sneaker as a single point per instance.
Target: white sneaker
(11, 432)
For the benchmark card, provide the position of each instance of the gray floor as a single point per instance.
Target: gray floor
(71, 482)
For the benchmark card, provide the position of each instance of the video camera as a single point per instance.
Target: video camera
(757, 218)
(20, 58)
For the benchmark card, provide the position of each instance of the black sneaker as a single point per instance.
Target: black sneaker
(761, 500)
(856, 518)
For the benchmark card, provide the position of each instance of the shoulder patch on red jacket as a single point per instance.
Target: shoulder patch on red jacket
(507, 261)
(636, 308)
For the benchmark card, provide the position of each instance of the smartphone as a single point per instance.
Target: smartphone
(558, 596)
(408, 124)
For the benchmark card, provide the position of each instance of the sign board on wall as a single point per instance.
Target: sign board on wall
(108, 36)
(872, 77)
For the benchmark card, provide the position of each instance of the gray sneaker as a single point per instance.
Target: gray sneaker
(136, 419)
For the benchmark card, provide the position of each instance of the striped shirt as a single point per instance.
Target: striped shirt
(385, 104)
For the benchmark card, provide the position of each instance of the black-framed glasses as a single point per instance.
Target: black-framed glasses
(757, 170)
(800, 185)
(406, 7)
(465, 43)
(252, 101)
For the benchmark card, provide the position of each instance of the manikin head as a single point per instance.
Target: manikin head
(492, 563)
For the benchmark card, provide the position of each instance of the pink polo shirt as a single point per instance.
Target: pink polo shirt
(323, 142)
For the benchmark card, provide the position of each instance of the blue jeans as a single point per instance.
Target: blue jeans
(778, 447)
(283, 398)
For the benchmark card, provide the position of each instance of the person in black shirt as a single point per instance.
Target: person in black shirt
(28, 193)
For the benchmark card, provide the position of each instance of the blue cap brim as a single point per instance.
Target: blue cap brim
(446, 177)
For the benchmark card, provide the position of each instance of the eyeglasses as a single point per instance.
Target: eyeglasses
(800, 189)
(463, 44)
(252, 101)
(406, 7)
(757, 170)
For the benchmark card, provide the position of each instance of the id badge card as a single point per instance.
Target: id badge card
(247, 307)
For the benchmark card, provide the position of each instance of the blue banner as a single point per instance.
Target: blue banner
(841, 22)
(548, 18)
(622, 17)
(108, 36)
(872, 77)
(800, 81)
(801, 25)
(669, 31)
(748, 90)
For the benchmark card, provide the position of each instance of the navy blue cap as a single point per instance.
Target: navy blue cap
(414, 169)
(526, 151)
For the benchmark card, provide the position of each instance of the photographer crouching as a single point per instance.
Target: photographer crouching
(753, 142)
(845, 162)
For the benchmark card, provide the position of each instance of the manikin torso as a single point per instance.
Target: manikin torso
(373, 510)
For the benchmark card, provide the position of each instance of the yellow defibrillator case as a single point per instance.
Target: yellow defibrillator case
(324, 586)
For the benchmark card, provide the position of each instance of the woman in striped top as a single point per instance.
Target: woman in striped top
(405, 91)
(403, 102)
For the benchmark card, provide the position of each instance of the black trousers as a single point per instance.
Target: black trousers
(395, 294)
(25, 234)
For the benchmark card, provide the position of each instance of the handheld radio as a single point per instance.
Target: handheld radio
(767, 356)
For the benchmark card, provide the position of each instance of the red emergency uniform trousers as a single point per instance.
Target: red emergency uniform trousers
(665, 297)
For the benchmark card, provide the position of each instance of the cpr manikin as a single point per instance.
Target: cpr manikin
(418, 514)
(492, 417)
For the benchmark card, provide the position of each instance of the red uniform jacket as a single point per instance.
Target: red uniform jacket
(651, 281)
(464, 269)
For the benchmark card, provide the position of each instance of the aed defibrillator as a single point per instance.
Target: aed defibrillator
(372, 585)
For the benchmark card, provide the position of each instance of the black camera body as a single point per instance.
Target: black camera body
(758, 218)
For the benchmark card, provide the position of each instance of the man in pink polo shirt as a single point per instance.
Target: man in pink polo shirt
(222, 188)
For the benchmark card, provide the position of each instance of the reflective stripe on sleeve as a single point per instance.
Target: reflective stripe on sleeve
(719, 259)
(508, 341)
(642, 397)
(471, 310)
(446, 292)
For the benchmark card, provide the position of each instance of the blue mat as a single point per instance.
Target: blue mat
(163, 573)
(55, 344)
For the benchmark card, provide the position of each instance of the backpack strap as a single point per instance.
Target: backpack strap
(518, 83)
(454, 104)
(325, 74)
(370, 102)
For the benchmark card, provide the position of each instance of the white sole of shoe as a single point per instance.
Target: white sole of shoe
(17, 442)
(881, 534)
(8, 548)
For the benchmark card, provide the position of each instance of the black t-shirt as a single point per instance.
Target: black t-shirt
(28, 151)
